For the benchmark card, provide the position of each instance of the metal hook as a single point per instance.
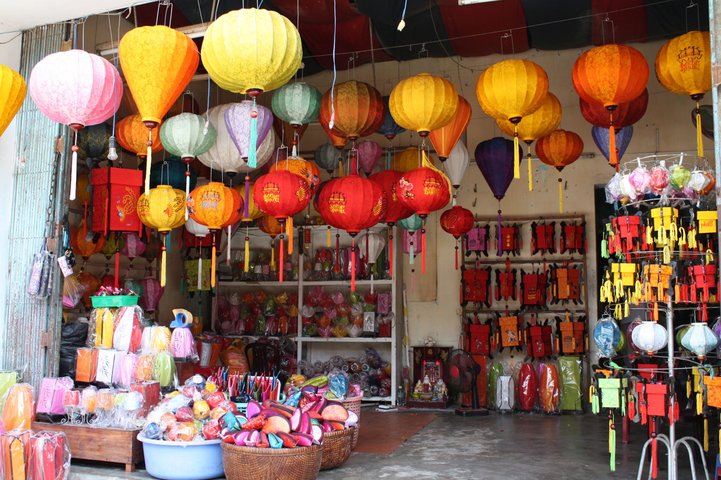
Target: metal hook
(506, 35)
(606, 20)
(692, 4)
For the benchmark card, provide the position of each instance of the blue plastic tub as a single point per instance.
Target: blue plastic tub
(199, 460)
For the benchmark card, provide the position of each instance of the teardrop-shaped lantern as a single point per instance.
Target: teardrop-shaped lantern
(456, 165)
(559, 149)
(607, 336)
(369, 152)
(372, 244)
(446, 137)
(389, 128)
(423, 103)
(12, 94)
(602, 138)
(650, 337)
(457, 221)
(699, 339)
(239, 119)
(624, 115)
(327, 157)
(354, 110)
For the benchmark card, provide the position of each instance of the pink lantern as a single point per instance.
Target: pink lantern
(369, 152)
(78, 89)
(152, 291)
(133, 246)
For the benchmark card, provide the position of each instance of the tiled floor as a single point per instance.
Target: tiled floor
(496, 447)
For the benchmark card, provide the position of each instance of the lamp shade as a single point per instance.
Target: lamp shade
(186, 135)
(296, 103)
(133, 136)
(389, 128)
(238, 119)
(373, 243)
(338, 141)
(369, 152)
(559, 149)
(82, 243)
(406, 160)
(457, 221)
(93, 143)
(411, 223)
(699, 339)
(602, 138)
(152, 291)
(423, 190)
(650, 337)
(456, 164)
(251, 50)
(607, 336)
(305, 169)
(494, 158)
(196, 229)
(683, 64)
(545, 119)
(211, 205)
(356, 110)
(423, 103)
(133, 246)
(327, 157)
(281, 194)
(12, 94)
(446, 137)
(624, 115)
(395, 210)
(511, 89)
(351, 203)
(269, 225)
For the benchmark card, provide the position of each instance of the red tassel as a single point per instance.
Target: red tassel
(423, 248)
(654, 458)
(612, 145)
(456, 254)
(336, 267)
(390, 252)
(280, 259)
(116, 280)
(352, 265)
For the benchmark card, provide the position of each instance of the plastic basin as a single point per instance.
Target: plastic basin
(114, 301)
(199, 460)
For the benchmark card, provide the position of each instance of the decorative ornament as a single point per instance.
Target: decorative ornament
(423, 103)
(133, 136)
(369, 152)
(354, 110)
(559, 149)
(602, 138)
(248, 125)
(296, 104)
(456, 165)
(327, 157)
(389, 128)
(650, 337)
(12, 94)
(457, 221)
(699, 339)
(446, 137)
(625, 115)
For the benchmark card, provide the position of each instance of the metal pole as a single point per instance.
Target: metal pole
(715, 29)
(672, 403)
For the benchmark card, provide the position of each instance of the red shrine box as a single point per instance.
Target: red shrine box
(115, 199)
(150, 392)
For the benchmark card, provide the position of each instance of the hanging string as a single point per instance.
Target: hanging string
(530, 169)
(331, 122)
(200, 263)
(246, 258)
(402, 23)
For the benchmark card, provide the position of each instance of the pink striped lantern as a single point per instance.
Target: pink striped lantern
(133, 247)
(369, 152)
(152, 291)
(78, 89)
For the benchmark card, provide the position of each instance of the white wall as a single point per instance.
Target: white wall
(10, 56)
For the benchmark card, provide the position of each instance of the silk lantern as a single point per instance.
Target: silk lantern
(423, 103)
(373, 244)
(305, 169)
(152, 291)
(327, 157)
(446, 137)
(83, 244)
(423, 190)
(602, 138)
(272, 227)
(411, 224)
(186, 136)
(610, 75)
(132, 247)
(559, 149)
(457, 221)
(683, 66)
(158, 63)
(162, 208)
(91, 284)
(354, 110)
(395, 210)
(133, 136)
(76, 88)
(338, 141)
(699, 339)
(241, 119)
(251, 51)
(538, 124)
(389, 128)
(12, 94)
(406, 160)
(512, 89)
(351, 203)
(297, 104)
(650, 337)
(212, 205)
(281, 194)
(369, 152)
(455, 166)
(199, 231)
(250, 209)
(94, 143)
(286, 132)
(626, 114)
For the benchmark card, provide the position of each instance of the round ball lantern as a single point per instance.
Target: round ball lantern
(369, 152)
(83, 244)
(305, 169)
(610, 75)
(327, 157)
(626, 114)
(559, 149)
(355, 109)
(457, 221)
(423, 103)
(296, 104)
(446, 137)
(94, 144)
(12, 94)
(650, 337)
(699, 339)
(133, 137)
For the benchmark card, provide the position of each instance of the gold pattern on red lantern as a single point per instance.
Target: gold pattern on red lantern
(457, 221)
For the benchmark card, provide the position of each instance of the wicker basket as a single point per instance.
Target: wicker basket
(336, 448)
(300, 463)
(353, 404)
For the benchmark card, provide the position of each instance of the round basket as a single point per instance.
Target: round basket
(300, 463)
(353, 404)
(337, 447)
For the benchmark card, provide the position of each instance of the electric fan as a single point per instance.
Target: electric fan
(462, 374)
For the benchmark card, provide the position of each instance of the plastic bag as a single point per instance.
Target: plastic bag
(182, 344)
(125, 369)
(570, 378)
(125, 322)
(527, 387)
(19, 406)
(144, 368)
(14, 450)
(159, 339)
(659, 178)
(640, 179)
(50, 398)
(73, 291)
(86, 365)
(164, 369)
(88, 400)
(338, 383)
(613, 189)
(7, 380)
(549, 392)
(49, 457)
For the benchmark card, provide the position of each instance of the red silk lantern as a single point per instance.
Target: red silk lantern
(446, 137)
(423, 190)
(610, 75)
(395, 210)
(559, 149)
(625, 114)
(457, 221)
(356, 110)
(282, 194)
(351, 203)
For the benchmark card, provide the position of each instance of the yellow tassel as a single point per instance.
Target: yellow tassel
(272, 257)
(328, 236)
(162, 268)
(246, 264)
(705, 434)
(148, 161)
(289, 234)
(516, 157)
(212, 268)
(530, 173)
(560, 195)
(699, 133)
(340, 168)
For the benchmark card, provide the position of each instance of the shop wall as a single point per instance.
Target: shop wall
(10, 46)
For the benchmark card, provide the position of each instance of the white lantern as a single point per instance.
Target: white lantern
(456, 165)
(699, 339)
(373, 243)
(650, 337)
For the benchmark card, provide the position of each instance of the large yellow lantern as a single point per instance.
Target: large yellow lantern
(158, 63)
(540, 123)
(12, 94)
(423, 103)
(162, 208)
(683, 66)
(512, 89)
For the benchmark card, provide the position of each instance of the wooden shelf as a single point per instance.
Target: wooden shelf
(241, 283)
(346, 339)
(346, 283)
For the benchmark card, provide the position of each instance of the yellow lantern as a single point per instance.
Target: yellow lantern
(12, 94)
(512, 89)
(540, 123)
(683, 66)
(162, 208)
(423, 103)
(158, 63)
(406, 160)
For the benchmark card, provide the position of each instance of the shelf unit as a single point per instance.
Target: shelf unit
(314, 348)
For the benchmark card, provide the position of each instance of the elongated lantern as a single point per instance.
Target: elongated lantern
(78, 89)
(559, 149)
(457, 221)
(446, 137)
(12, 94)
(455, 166)
(158, 63)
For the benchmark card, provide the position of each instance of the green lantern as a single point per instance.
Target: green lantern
(412, 223)
(296, 103)
(93, 143)
(186, 136)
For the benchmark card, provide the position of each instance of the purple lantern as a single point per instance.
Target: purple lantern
(152, 291)
(133, 246)
(248, 124)
(369, 152)
(601, 137)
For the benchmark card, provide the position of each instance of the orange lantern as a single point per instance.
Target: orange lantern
(212, 205)
(271, 226)
(84, 245)
(406, 160)
(305, 169)
(158, 63)
(133, 136)
(446, 137)
(356, 110)
(610, 75)
(559, 149)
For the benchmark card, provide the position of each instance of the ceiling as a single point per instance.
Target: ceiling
(440, 28)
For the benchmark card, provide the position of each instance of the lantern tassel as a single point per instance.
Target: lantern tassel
(227, 250)
(705, 433)
(352, 265)
(148, 160)
(200, 271)
(340, 168)
(116, 277)
(530, 171)
(411, 250)
(516, 156)
(390, 252)
(246, 203)
(423, 247)
(252, 162)
(85, 219)
(560, 195)
(289, 232)
(187, 188)
(499, 219)
(272, 255)
(163, 259)
(699, 133)
(336, 267)
(246, 257)
(74, 169)
(280, 259)
(212, 263)
(456, 254)
(654, 458)
(612, 442)
(328, 239)
(613, 161)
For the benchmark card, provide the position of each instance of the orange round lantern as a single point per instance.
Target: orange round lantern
(356, 110)
(559, 149)
(625, 114)
(305, 169)
(133, 136)
(406, 160)
(82, 244)
(610, 75)
(446, 137)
